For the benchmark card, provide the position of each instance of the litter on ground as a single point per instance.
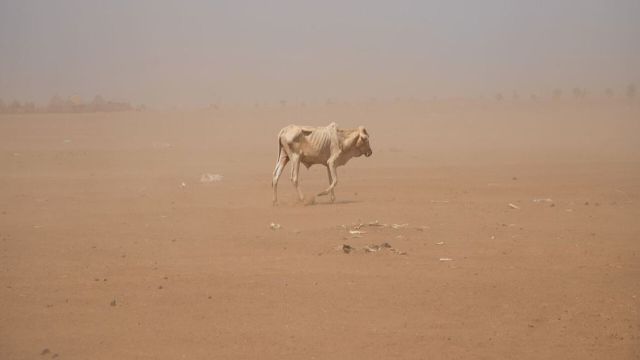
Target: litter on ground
(275, 226)
(372, 248)
(209, 178)
(399, 226)
(514, 206)
(446, 259)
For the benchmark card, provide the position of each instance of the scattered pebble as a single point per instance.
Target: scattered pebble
(347, 248)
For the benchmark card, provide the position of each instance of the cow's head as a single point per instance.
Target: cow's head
(358, 143)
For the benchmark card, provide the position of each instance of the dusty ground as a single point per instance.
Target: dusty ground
(104, 254)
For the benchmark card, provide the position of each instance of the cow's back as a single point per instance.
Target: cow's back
(313, 144)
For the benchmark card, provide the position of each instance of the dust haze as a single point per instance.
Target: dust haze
(496, 218)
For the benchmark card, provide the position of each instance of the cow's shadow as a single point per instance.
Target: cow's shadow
(337, 202)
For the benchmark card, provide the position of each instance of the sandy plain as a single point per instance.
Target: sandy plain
(112, 248)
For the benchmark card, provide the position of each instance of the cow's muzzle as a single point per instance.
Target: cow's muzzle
(368, 153)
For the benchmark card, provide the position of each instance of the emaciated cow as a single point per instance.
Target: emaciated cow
(328, 146)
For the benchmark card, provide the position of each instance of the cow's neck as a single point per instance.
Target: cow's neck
(345, 133)
(346, 155)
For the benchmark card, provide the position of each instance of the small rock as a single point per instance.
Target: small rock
(45, 352)
(113, 303)
(347, 248)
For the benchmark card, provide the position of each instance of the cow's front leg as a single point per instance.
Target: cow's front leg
(295, 170)
(332, 193)
(334, 180)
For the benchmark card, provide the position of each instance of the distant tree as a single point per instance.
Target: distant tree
(97, 104)
(283, 103)
(533, 97)
(631, 91)
(56, 104)
(608, 92)
(557, 94)
(15, 107)
(3, 107)
(515, 96)
(29, 107)
(499, 97)
(577, 93)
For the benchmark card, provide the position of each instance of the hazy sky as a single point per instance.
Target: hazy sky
(199, 52)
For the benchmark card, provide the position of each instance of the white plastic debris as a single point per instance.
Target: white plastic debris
(446, 259)
(514, 206)
(183, 184)
(399, 226)
(542, 200)
(440, 243)
(209, 178)
(357, 232)
(372, 248)
(275, 226)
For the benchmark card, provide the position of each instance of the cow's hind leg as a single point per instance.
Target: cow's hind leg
(283, 159)
(295, 170)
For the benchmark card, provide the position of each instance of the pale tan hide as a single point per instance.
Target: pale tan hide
(325, 145)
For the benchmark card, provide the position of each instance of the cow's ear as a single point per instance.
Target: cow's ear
(363, 132)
